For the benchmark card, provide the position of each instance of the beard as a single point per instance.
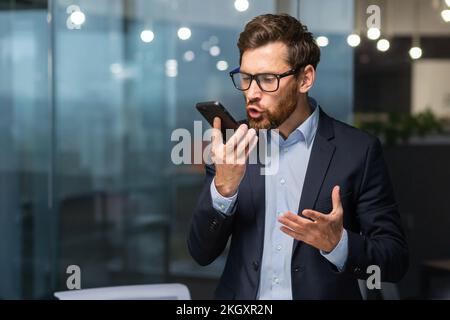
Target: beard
(273, 119)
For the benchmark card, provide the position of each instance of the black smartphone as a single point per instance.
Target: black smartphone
(212, 109)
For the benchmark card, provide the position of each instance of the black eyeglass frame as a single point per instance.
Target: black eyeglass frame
(293, 71)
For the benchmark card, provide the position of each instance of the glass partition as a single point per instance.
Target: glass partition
(90, 92)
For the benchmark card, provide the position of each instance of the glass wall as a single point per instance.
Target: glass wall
(90, 92)
(332, 20)
(27, 221)
(123, 207)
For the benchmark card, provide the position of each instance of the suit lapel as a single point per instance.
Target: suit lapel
(258, 195)
(321, 154)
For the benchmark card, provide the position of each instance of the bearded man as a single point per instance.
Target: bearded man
(315, 226)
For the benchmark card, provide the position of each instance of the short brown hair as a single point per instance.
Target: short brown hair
(267, 28)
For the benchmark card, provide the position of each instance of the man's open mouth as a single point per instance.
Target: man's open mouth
(254, 113)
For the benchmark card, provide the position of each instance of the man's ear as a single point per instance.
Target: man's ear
(307, 78)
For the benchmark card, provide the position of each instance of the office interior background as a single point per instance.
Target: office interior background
(90, 92)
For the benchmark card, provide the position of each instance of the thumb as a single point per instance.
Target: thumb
(336, 198)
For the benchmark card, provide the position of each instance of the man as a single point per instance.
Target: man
(312, 229)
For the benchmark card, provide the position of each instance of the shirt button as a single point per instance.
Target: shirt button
(276, 280)
(222, 206)
(213, 226)
(279, 247)
(285, 150)
(282, 181)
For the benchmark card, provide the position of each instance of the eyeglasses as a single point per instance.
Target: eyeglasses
(268, 82)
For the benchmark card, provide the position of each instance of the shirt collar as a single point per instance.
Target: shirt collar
(305, 131)
(309, 127)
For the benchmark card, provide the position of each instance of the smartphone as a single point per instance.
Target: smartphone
(212, 109)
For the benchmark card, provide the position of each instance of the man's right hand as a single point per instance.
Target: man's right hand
(230, 158)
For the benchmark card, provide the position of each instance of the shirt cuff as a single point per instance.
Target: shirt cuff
(338, 256)
(222, 204)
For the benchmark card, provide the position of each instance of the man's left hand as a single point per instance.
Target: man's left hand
(324, 231)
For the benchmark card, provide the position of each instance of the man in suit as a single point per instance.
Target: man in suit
(311, 229)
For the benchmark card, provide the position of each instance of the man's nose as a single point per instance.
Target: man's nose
(254, 92)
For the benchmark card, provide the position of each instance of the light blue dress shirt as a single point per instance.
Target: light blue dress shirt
(282, 193)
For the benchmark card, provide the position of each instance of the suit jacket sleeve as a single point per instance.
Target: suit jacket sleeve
(210, 229)
(381, 241)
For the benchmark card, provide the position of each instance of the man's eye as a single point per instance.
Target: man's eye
(268, 79)
(245, 78)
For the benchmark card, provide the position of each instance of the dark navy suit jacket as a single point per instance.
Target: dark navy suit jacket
(341, 155)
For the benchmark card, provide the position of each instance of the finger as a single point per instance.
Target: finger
(243, 132)
(251, 146)
(236, 138)
(314, 215)
(293, 234)
(296, 218)
(290, 224)
(240, 151)
(217, 138)
(294, 221)
(245, 143)
(220, 151)
(233, 144)
(336, 198)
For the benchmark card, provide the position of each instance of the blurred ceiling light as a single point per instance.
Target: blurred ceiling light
(189, 56)
(445, 14)
(184, 33)
(415, 52)
(147, 36)
(447, 2)
(77, 18)
(171, 68)
(241, 5)
(222, 65)
(353, 40)
(214, 51)
(373, 33)
(383, 45)
(116, 68)
(322, 41)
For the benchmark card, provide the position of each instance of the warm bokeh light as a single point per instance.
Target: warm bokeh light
(415, 52)
(353, 40)
(222, 65)
(78, 18)
(383, 45)
(147, 36)
(241, 5)
(322, 41)
(373, 33)
(184, 33)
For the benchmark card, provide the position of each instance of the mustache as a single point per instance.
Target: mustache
(256, 107)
